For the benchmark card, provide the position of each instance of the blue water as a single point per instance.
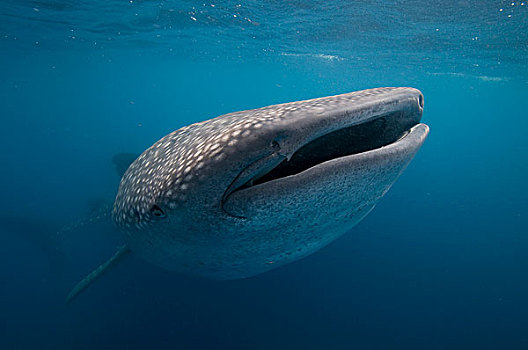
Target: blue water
(442, 261)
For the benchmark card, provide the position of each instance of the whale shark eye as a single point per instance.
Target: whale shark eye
(157, 211)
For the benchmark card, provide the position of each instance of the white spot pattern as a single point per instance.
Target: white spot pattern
(173, 165)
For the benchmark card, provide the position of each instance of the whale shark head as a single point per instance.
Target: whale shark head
(242, 193)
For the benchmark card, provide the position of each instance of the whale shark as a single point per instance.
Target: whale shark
(246, 192)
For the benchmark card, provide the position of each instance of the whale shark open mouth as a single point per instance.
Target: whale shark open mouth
(373, 134)
(355, 139)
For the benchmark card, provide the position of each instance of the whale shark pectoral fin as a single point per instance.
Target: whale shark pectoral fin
(98, 272)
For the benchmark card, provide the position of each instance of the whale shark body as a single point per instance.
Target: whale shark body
(246, 192)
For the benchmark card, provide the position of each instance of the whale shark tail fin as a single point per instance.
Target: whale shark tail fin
(98, 272)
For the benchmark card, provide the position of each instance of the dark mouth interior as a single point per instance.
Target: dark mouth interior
(355, 139)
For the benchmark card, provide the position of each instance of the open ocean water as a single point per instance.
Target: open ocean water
(440, 263)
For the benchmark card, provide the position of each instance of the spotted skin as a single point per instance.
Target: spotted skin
(186, 157)
(171, 203)
(182, 204)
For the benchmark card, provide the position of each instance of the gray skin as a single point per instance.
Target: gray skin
(205, 200)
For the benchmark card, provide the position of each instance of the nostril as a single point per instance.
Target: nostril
(421, 101)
